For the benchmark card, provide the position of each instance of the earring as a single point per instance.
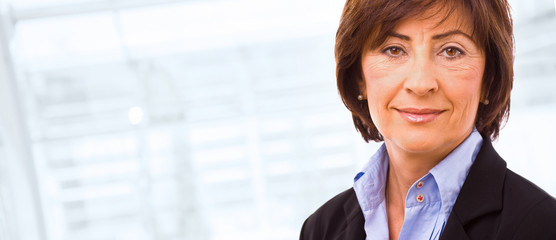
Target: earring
(360, 97)
(485, 102)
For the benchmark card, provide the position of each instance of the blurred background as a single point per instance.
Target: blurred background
(213, 119)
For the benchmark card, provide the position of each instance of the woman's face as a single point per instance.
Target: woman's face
(423, 85)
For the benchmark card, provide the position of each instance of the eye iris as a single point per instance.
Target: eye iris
(395, 51)
(451, 52)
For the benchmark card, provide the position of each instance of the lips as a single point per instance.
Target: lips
(419, 115)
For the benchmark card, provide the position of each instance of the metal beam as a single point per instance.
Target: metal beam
(21, 171)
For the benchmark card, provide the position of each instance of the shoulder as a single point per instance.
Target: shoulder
(529, 212)
(496, 203)
(331, 218)
(521, 191)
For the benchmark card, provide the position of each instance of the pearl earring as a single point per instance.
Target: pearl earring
(360, 97)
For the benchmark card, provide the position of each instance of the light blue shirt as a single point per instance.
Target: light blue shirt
(428, 202)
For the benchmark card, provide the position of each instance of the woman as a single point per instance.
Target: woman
(432, 79)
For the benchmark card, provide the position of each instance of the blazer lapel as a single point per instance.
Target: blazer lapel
(454, 230)
(480, 194)
(355, 222)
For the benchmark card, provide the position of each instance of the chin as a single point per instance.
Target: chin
(418, 141)
(420, 147)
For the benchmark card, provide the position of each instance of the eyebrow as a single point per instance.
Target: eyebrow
(449, 33)
(400, 36)
(435, 37)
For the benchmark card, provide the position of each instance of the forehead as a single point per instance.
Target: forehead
(435, 20)
(454, 16)
(382, 21)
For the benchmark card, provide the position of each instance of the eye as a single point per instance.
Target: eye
(452, 52)
(394, 51)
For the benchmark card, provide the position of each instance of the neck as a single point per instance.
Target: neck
(404, 169)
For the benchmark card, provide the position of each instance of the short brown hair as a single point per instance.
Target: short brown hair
(371, 21)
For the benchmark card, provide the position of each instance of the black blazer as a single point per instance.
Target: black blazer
(494, 203)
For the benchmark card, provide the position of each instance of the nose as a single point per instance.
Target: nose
(421, 79)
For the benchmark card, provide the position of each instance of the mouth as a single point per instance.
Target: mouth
(419, 115)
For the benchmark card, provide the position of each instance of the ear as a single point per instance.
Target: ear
(484, 93)
(362, 88)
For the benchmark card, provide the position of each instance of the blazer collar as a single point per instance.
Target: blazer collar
(355, 221)
(481, 192)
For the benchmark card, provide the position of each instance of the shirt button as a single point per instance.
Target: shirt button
(420, 184)
(420, 198)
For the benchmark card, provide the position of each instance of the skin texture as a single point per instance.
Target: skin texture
(423, 65)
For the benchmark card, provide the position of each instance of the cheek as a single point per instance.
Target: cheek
(381, 76)
(376, 66)
(464, 89)
(466, 76)
(382, 84)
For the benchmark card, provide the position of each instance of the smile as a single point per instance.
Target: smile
(415, 115)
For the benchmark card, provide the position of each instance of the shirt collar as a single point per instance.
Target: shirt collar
(370, 183)
(450, 173)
